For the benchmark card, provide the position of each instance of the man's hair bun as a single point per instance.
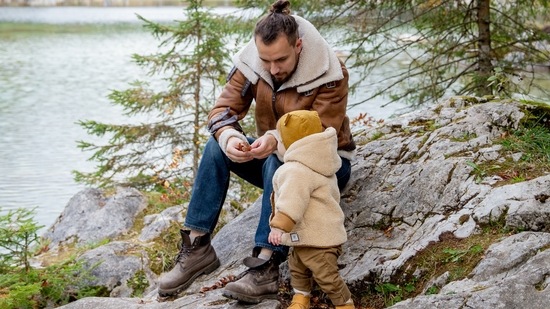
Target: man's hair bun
(281, 7)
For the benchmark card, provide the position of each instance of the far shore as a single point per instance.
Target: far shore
(106, 3)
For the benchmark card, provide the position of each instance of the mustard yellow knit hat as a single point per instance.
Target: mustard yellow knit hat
(298, 124)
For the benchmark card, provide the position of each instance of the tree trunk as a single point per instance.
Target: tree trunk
(484, 46)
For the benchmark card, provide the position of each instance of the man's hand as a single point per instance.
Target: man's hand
(275, 236)
(238, 151)
(263, 146)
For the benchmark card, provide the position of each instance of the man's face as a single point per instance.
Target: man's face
(279, 58)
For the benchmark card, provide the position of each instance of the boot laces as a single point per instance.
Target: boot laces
(258, 270)
(185, 251)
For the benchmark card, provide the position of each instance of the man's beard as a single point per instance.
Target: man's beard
(282, 81)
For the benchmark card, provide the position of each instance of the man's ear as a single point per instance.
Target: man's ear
(299, 45)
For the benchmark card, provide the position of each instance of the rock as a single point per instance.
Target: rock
(514, 274)
(91, 217)
(419, 186)
(210, 300)
(156, 224)
(115, 264)
(519, 204)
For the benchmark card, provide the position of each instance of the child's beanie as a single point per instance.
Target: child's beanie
(298, 124)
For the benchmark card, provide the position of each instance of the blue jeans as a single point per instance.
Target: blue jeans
(212, 181)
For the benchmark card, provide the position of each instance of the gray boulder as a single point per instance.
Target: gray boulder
(91, 216)
(514, 274)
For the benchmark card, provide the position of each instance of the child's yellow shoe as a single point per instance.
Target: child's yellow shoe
(299, 301)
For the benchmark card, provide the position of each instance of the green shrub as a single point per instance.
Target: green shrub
(23, 286)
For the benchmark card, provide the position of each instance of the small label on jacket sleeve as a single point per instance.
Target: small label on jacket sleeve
(294, 237)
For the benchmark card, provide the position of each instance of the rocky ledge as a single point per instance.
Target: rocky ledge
(414, 184)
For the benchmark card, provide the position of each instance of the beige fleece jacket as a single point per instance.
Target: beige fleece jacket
(306, 198)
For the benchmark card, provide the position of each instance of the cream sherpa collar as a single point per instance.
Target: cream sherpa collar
(318, 64)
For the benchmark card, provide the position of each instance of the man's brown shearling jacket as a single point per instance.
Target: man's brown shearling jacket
(319, 83)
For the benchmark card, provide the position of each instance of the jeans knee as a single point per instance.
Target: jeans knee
(344, 174)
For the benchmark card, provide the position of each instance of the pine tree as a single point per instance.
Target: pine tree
(192, 63)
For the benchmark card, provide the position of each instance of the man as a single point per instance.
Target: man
(287, 66)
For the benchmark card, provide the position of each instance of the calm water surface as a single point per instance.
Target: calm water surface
(52, 77)
(49, 80)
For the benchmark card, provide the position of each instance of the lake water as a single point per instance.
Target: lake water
(60, 72)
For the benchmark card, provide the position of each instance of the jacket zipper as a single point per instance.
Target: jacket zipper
(273, 97)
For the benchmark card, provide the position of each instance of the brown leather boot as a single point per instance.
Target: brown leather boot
(192, 261)
(257, 283)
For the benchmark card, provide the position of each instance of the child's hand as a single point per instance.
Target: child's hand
(275, 236)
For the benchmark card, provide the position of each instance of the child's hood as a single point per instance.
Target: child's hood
(317, 151)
